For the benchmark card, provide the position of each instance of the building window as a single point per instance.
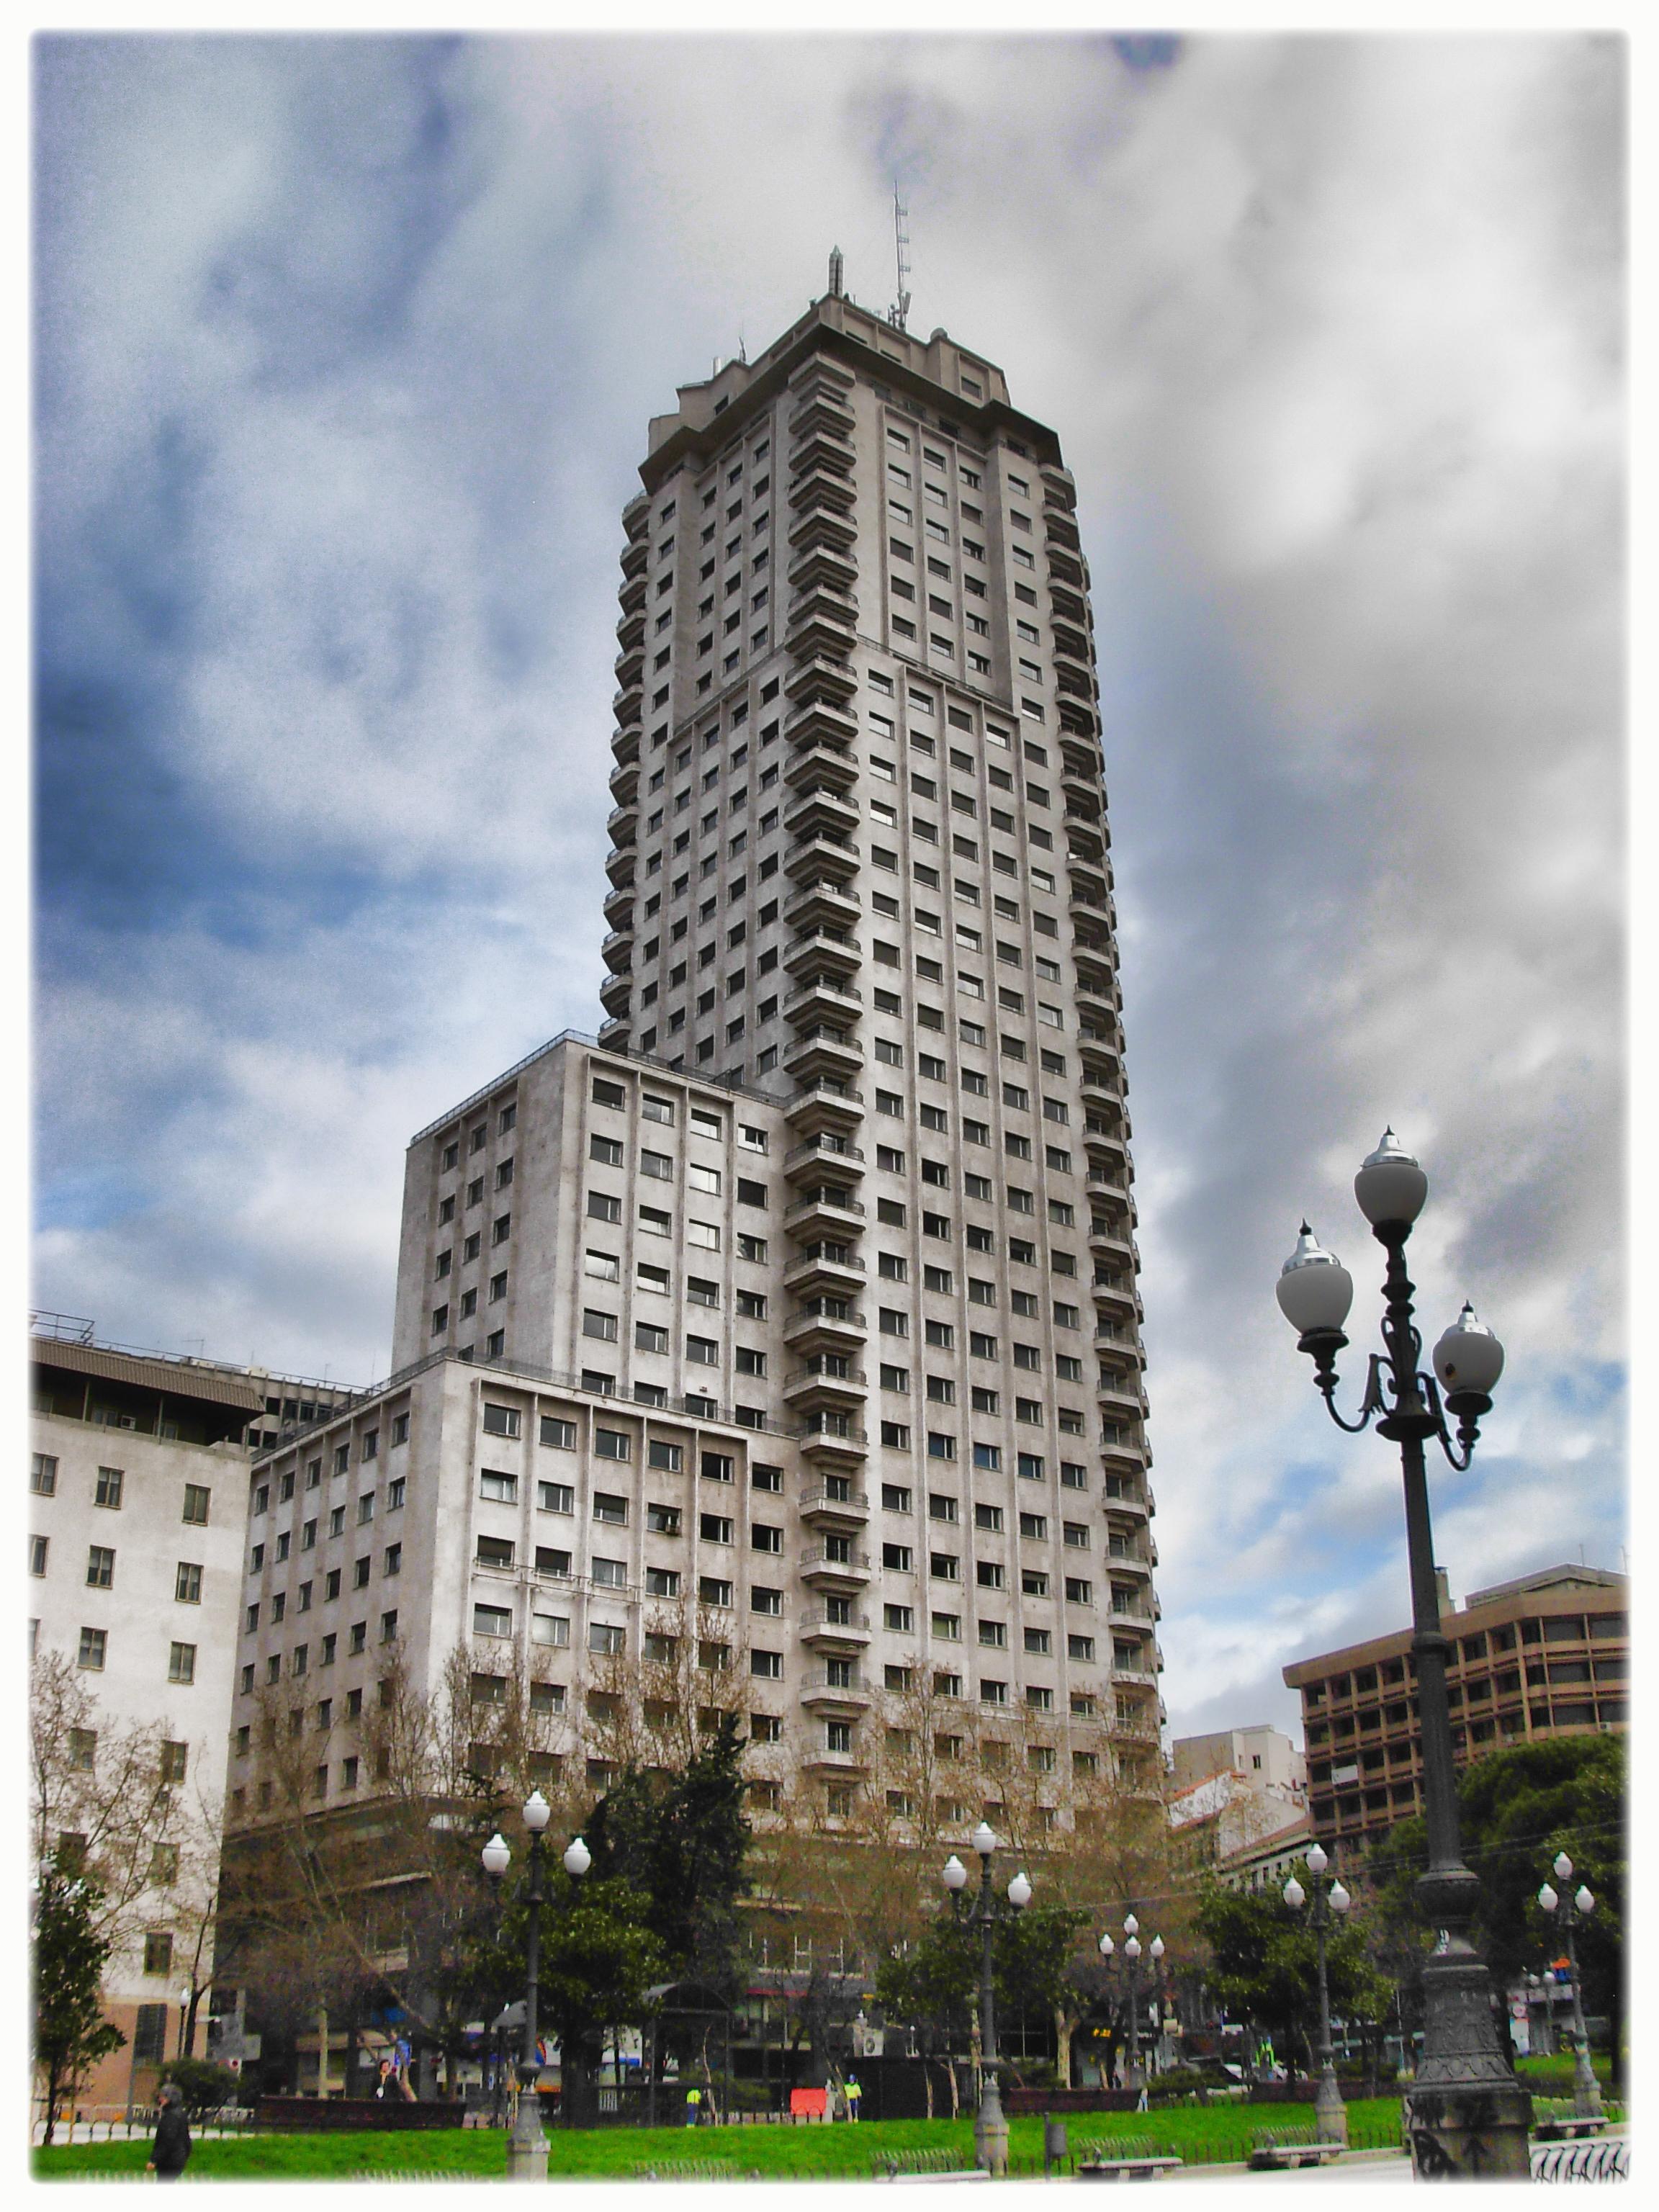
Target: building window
(43, 1475)
(107, 1489)
(158, 1957)
(100, 1567)
(197, 1499)
(187, 1584)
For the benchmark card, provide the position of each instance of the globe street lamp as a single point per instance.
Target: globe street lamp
(1329, 1899)
(526, 2148)
(1567, 1912)
(1131, 1956)
(1467, 2114)
(990, 2128)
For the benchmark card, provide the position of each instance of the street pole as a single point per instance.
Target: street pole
(1569, 1911)
(1467, 2115)
(1330, 2113)
(990, 2127)
(526, 2146)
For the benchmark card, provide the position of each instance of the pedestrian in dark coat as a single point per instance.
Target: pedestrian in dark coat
(169, 2153)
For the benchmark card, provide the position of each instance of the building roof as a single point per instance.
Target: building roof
(231, 1388)
(1551, 1588)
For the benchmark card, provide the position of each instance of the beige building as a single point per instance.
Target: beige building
(1547, 1654)
(138, 1483)
(1262, 1758)
(810, 1290)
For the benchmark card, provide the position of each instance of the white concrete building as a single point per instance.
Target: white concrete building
(808, 1296)
(1262, 1758)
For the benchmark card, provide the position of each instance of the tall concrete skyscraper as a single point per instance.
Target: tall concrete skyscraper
(795, 1318)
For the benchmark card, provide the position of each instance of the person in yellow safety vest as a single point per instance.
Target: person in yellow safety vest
(693, 2107)
(852, 2093)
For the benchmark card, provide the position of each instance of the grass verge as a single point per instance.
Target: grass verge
(1201, 2135)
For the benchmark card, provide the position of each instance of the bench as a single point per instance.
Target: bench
(687, 2169)
(924, 2166)
(1274, 2152)
(1555, 2120)
(1123, 2158)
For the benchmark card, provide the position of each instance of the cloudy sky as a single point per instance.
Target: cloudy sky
(345, 353)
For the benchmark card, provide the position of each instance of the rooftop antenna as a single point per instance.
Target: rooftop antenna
(834, 272)
(898, 315)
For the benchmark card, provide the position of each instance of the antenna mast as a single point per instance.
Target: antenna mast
(898, 315)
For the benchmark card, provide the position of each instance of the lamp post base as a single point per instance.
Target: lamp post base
(526, 2147)
(990, 2131)
(1586, 2090)
(1466, 2117)
(1330, 2113)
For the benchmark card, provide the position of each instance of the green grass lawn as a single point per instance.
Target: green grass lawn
(1207, 2134)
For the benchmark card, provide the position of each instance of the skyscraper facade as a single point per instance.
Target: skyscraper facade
(793, 1320)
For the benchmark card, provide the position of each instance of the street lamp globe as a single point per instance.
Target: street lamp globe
(1584, 1901)
(984, 1839)
(1157, 1947)
(1468, 1359)
(577, 1857)
(1340, 1900)
(1019, 1891)
(1107, 1946)
(955, 1873)
(1317, 1861)
(1131, 1925)
(1563, 1866)
(1132, 1948)
(1390, 1186)
(1548, 1898)
(496, 1857)
(1295, 1896)
(1315, 1290)
(536, 1812)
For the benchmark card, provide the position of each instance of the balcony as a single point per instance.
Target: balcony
(1102, 1095)
(822, 901)
(628, 707)
(619, 866)
(1119, 1297)
(823, 1151)
(821, 718)
(619, 906)
(614, 1036)
(835, 1506)
(822, 624)
(1108, 1147)
(1080, 719)
(823, 761)
(822, 1692)
(819, 995)
(625, 781)
(636, 559)
(833, 1565)
(618, 951)
(828, 1210)
(823, 948)
(823, 854)
(631, 630)
(822, 487)
(819, 528)
(835, 1628)
(838, 1441)
(825, 1102)
(822, 1382)
(1122, 1398)
(823, 564)
(629, 667)
(820, 808)
(614, 994)
(623, 825)
(1087, 875)
(822, 445)
(823, 677)
(819, 1271)
(821, 411)
(816, 1761)
(631, 597)
(824, 1051)
(1060, 528)
(1068, 570)
(826, 1325)
(1099, 1000)
(625, 744)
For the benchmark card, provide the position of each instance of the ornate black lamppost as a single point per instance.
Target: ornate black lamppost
(1330, 1900)
(1131, 1956)
(1467, 2115)
(1567, 1912)
(990, 2128)
(526, 2148)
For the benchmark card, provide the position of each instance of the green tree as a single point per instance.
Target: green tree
(70, 2031)
(930, 1986)
(681, 1841)
(1517, 1808)
(1264, 1966)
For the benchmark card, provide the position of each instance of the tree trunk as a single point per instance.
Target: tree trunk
(322, 2050)
(1063, 2025)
